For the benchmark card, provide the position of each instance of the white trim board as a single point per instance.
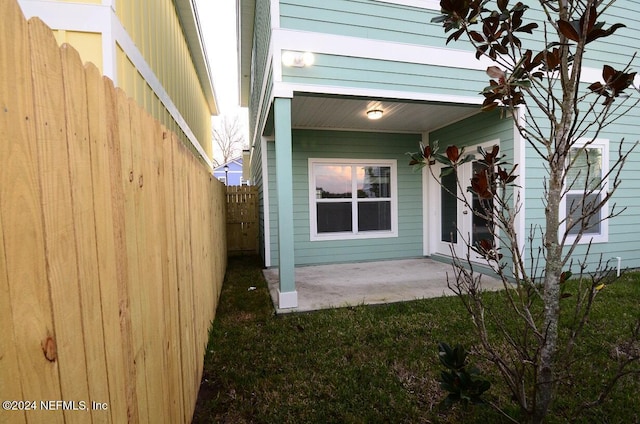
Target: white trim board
(354, 234)
(422, 4)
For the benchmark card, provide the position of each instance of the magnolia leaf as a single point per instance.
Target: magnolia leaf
(495, 72)
(476, 36)
(439, 19)
(522, 83)
(568, 31)
(528, 28)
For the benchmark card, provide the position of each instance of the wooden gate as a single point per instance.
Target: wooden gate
(242, 219)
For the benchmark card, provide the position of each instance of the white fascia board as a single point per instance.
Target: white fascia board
(288, 89)
(340, 45)
(274, 13)
(259, 127)
(68, 16)
(94, 18)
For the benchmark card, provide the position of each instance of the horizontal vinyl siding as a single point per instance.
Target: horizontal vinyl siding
(364, 19)
(478, 129)
(353, 145)
(257, 180)
(260, 69)
(623, 238)
(616, 50)
(342, 71)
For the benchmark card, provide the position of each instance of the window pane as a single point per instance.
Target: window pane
(586, 170)
(333, 181)
(448, 209)
(575, 211)
(481, 227)
(374, 216)
(334, 217)
(374, 181)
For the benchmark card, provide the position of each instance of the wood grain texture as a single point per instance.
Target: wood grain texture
(109, 263)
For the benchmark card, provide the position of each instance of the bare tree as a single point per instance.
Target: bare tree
(561, 118)
(228, 136)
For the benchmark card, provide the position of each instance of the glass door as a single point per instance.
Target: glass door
(456, 225)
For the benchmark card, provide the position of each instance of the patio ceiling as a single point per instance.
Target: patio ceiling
(350, 113)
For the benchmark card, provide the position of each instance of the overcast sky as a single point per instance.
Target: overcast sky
(218, 25)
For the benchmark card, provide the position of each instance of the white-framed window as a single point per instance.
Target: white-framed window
(586, 186)
(352, 199)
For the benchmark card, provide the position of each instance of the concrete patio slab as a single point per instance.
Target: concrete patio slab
(341, 285)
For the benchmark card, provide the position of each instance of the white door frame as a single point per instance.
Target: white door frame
(432, 212)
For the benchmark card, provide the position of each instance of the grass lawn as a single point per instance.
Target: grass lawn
(379, 364)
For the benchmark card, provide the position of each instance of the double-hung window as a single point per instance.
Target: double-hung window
(586, 187)
(352, 199)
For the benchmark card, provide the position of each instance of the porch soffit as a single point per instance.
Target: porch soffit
(349, 113)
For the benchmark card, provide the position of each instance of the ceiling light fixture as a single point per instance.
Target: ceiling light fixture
(297, 59)
(374, 114)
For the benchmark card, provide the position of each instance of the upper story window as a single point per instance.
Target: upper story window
(352, 199)
(586, 187)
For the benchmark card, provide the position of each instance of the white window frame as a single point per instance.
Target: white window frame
(354, 234)
(603, 235)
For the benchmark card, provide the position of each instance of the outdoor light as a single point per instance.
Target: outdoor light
(297, 59)
(374, 114)
(226, 174)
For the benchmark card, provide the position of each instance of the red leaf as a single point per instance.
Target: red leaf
(495, 72)
(477, 37)
(568, 31)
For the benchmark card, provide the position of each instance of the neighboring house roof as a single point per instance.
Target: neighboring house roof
(235, 161)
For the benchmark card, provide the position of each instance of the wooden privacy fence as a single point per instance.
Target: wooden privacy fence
(112, 245)
(242, 219)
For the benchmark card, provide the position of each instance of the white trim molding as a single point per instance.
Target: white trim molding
(266, 205)
(287, 300)
(422, 4)
(602, 233)
(341, 45)
(354, 199)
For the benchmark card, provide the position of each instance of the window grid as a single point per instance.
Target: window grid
(387, 199)
(595, 189)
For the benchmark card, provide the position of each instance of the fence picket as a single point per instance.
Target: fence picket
(242, 219)
(112, 243)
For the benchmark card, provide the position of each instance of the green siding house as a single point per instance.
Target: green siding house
(335, 184)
